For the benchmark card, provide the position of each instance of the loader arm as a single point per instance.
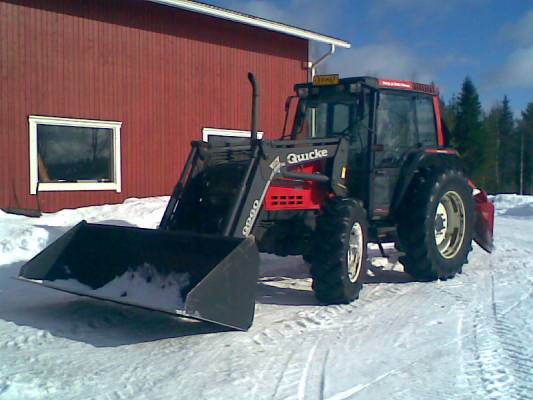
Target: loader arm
(243, 193)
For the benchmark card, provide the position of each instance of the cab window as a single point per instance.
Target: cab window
(396, 128)
(425, 118)
(335, 114)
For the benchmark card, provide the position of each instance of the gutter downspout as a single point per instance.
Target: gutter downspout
(312, 66)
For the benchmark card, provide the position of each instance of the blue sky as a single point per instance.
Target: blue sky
(424, 40)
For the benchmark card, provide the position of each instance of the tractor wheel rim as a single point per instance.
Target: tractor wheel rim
(450, 224)
(355, 252)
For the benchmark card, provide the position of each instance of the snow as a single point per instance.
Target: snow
(140, 285)
(513, 205)
(465, 338)
(22, 237)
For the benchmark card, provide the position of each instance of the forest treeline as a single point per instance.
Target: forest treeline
(496, 147)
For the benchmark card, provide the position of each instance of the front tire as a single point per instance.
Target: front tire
(436, 225)
(339, 253)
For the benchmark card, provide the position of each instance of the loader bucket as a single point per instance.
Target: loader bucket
(205, 277)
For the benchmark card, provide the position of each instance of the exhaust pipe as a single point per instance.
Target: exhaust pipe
(255, 151)
(255, 109)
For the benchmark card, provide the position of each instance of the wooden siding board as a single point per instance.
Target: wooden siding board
(3, 84)
(164, 73)
(5, 191)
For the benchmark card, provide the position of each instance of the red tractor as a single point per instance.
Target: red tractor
(366, 161)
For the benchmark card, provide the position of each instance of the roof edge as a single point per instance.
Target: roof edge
(235, 16)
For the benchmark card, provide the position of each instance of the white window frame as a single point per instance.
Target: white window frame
(206, 132)
(35, 120)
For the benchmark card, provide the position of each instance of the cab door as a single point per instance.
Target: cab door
(404, 121)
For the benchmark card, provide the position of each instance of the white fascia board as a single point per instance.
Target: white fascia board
(253, 21)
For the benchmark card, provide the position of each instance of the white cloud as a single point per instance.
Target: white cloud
(521, 31)
(420, 8)
(380, 60)
(517, 70)
(259, 8)
(379, 7)
(307, 14)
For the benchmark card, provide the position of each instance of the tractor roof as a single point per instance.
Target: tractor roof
(376, 83)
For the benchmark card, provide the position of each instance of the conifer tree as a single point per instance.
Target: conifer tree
(449, 114)
(525, 128)
(509, 152)
(468, 133)
(492, 136)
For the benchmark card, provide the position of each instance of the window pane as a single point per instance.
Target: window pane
(396, 128)
(321, 120)
(74, 153)
(341, 117)
(427, 134)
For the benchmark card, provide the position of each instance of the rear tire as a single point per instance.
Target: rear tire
(435, 228)
(339, 252)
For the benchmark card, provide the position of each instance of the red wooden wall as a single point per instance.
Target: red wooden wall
(165, 73)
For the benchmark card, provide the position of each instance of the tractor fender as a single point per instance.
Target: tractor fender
(419, 159)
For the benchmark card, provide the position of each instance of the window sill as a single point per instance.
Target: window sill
(73, 186)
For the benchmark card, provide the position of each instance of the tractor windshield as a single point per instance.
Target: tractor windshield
(330, 115)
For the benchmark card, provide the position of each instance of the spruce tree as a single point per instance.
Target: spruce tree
(525, 128)
(509, 153)
(492, 182)
(468, 134)
(449, 114)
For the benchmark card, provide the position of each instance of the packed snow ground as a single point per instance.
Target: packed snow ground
(466, 338)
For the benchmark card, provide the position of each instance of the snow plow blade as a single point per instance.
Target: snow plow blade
(484, 228)
(205, 277)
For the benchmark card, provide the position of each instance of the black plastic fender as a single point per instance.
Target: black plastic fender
(423, 158)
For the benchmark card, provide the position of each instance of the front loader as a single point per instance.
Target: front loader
(365, 161)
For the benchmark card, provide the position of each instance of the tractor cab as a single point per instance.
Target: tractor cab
(330, 106)
(384, 120)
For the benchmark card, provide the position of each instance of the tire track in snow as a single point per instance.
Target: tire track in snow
(314, 377)
(516, 337)
(291, 383)
(303, 374)
(498, 362)
(302, 385)
(329, 316)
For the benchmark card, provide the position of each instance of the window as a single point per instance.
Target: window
(334, 114)
(341, 118)
(227, 136)
(396, 128)
(72, 154)
(425, 118)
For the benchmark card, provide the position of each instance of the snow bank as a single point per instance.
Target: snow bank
(21, 237)
(513, 205)
(141, 285)
(144, 213)
(20, 241)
